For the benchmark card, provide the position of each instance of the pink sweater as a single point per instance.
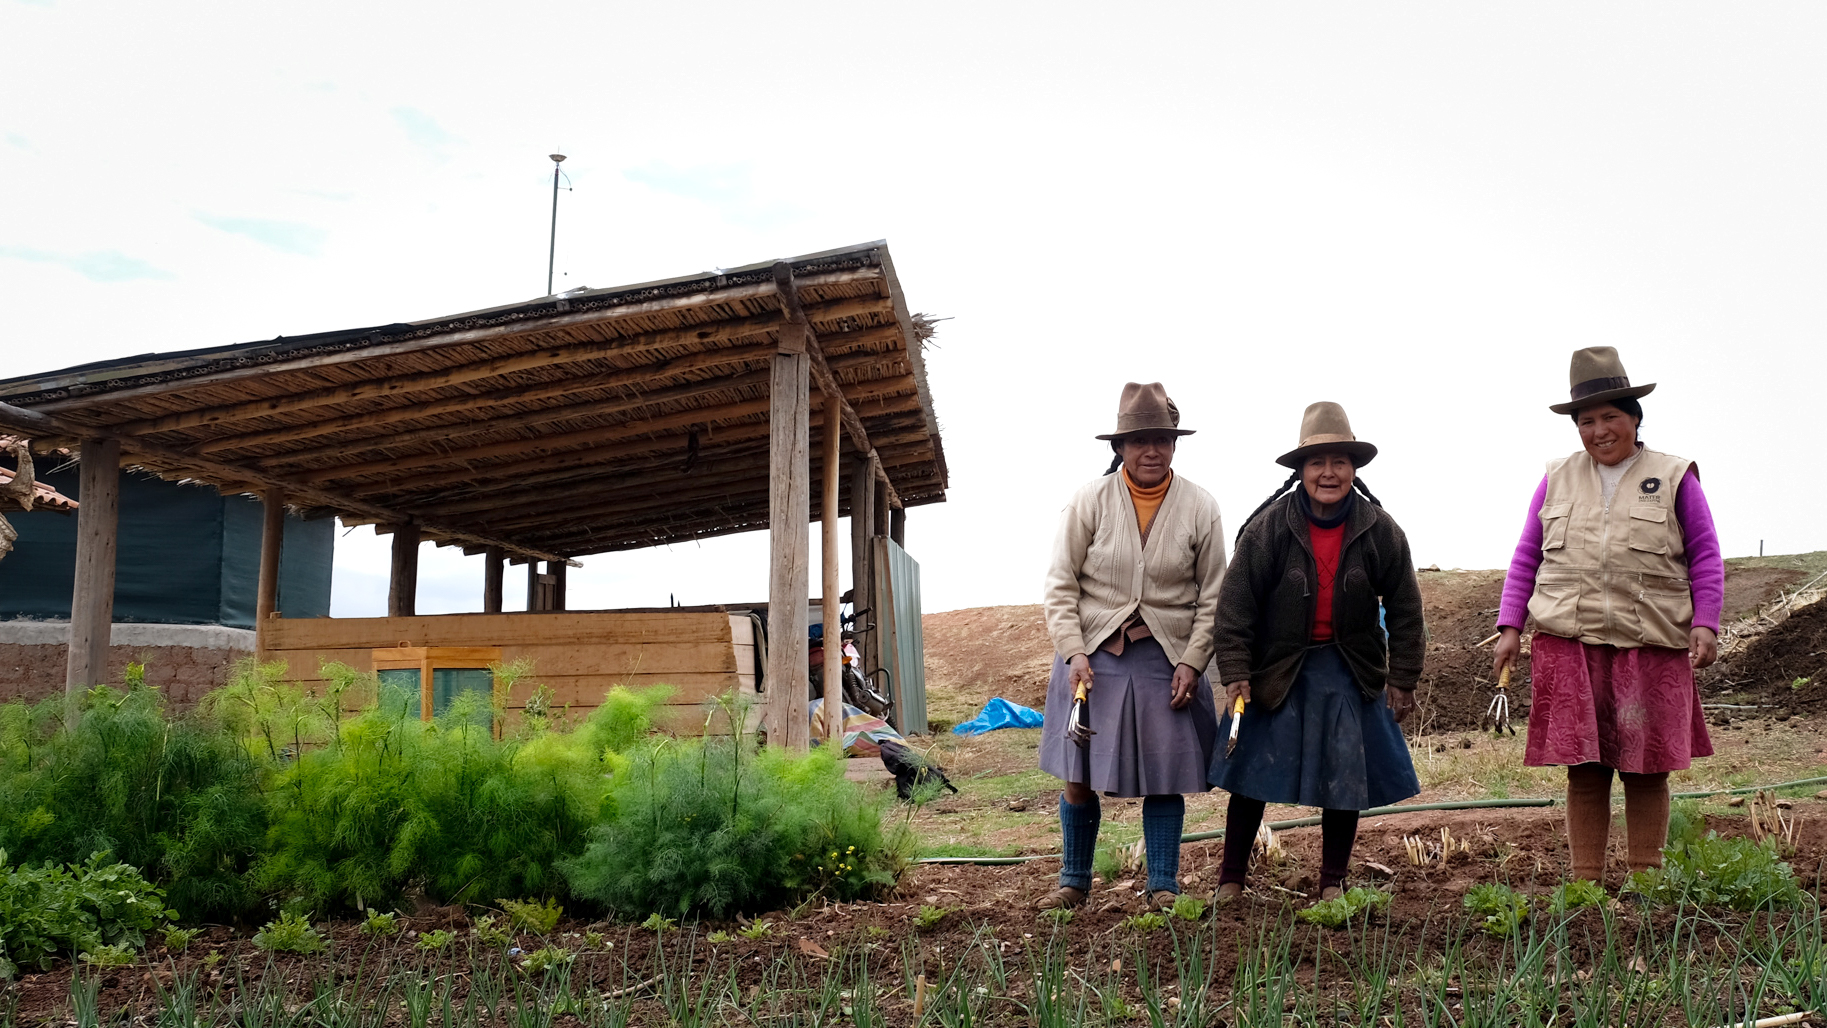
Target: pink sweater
(1705, 567)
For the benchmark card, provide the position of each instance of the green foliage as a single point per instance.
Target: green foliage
(929, 917)
(108, 956)
(1337, 913)
(756, 930)
(711, 825)
(436, 939)
(1109, 863)
(659, 925)
(290, 933)
(720, 937)
(381, 924)
(531, 916)
(1685, 822)
(1152, 921)
(1576, 894)
(1058, 915)
(490, 934)
(1738, 874)
(595, 940)
(1502, 908)
(177, 940)
(178, 797)
(1188, 907)
(547, 958)
(54, 909)
(391, 802)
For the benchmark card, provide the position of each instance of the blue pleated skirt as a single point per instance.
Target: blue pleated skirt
(1143, 747)
(1325, 746)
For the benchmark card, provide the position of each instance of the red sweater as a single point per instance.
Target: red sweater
(1326, 544)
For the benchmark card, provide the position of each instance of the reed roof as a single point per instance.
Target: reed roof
(596, 420)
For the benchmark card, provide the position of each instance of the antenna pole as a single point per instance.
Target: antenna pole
(552, 250)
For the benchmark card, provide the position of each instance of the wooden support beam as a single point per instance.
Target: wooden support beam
(403, 583)
(492, 560)
(833, 611)
(882, 495)
(272, 545)
(897, 527)
(558, 586)
(862, 498)
(161, 460)
(532, 585)
(789, 501)
(92, 597)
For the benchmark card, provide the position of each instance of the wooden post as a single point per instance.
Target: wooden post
(558, 583)
(789, 514)
(532, 585)
(492, 560)
(92, 598)
(832, 442)
(881, 507)
(403, 589)
(272, 544)
(897, 526)
(862, 495)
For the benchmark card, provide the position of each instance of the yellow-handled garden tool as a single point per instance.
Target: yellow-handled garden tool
(1498, 714)
(1078, 724)
(1230, 745)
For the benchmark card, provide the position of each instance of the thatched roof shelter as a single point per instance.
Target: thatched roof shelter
(596, 420)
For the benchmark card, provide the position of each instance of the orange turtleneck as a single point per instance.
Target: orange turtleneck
(1147, 501)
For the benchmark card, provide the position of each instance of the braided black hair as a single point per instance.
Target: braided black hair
(1115, 462)
(1294, 479)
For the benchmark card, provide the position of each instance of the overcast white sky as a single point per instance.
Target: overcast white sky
(1416, 209)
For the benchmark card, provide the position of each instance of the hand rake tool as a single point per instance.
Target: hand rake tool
(1078, 724)
(1498, 714)
(1230, 745)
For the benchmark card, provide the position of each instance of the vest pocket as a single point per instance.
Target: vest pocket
(1555, 518)
(1649, 529)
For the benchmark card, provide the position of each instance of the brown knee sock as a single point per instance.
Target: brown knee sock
(1645, 818)
(1588, 819)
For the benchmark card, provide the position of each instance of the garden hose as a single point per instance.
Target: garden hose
(1400, 808)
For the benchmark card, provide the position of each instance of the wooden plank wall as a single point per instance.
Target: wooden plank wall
(578, 654)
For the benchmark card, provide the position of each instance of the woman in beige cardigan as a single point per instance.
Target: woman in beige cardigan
(1131, 597)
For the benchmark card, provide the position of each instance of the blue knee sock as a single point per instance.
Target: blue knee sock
(1078, 824)
(1162, 819)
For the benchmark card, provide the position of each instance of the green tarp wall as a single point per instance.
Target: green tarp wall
(187, 556)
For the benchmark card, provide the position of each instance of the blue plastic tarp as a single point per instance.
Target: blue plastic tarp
(999, 713)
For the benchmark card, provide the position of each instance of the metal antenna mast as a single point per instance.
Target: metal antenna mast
(552, 251)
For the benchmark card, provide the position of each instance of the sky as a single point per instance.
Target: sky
(1418, 210)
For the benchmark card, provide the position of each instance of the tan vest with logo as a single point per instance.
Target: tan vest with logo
(1614, 575)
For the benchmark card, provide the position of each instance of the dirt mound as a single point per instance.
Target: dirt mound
(1784, 669)
(972, 655)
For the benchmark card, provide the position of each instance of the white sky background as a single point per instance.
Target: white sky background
(1418, 210)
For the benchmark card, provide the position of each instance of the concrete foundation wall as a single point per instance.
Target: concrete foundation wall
(182, 661)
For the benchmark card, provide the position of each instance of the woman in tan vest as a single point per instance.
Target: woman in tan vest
(1619, 566)
(1129, 602)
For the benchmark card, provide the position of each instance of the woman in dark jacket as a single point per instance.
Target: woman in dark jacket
(1318, 572)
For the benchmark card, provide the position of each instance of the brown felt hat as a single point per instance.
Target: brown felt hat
(1146, 408)
(1324, 428)
(1598, 375)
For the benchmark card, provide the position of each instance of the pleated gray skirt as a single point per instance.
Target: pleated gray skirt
(1143, 747)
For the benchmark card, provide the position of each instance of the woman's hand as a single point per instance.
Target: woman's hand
(1234, 690)
(1702, 646)
(1186, 679)
(1079, 670)
(1401, 701)
(1508, 648)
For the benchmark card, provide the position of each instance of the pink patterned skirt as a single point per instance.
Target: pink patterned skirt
(1634, 710)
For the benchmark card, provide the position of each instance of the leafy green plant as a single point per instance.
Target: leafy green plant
(1685, 822)
(212, 958)
(180, 798)
(713, 825)
(290, 933)
(1188, 907)
(1576, 894)
(657, 924)
(1339, 911)
(1799, 683)
(530, 915)
(1502, 908)
(177, 940)
(53, 909)
(381, 924)
(108, 956)
(756, 930)
(1738, 874)
(436, 939)
(596, 940)
(719, 937)
(1151, 921)
(490, 933)
(546, 958)
(1057, 915)
(928, 917)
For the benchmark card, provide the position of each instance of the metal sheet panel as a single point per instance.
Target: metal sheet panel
(904, 648)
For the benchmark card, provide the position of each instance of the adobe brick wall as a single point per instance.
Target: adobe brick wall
(33, 659)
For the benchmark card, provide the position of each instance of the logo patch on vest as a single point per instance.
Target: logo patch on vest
(1650, 486)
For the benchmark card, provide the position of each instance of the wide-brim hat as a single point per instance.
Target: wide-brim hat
(1597, 375)
(1324, 428)
(1145, 407)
